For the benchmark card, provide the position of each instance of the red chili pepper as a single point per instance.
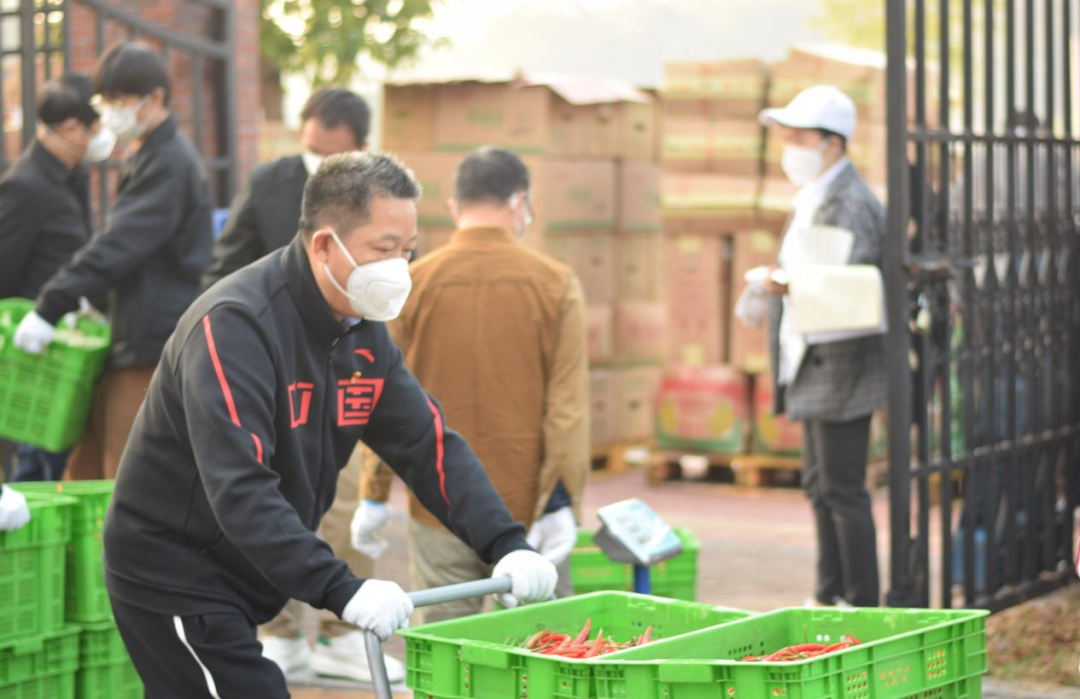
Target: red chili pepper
(584, 635)
(647, 637)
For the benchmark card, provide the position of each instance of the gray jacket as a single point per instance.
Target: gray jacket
(838, 381)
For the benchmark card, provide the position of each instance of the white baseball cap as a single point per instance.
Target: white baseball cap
(819, 107)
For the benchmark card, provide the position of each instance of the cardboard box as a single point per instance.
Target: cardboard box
(716, 222)
(777, 199)
(593, 259)
(637, 391)
(559, 115)
(682, 193)
(576, 196)
(408, 122)
(641, 272)
(773, 434)
(699, 281)
(435, 173)
(709, 145)
(638, 192)
(433, 239)
(519, 118)
(704, 408)
(600, 333)
(617, 130)
(640, 331)
(603, 406)
(750, 346)
(722, 89)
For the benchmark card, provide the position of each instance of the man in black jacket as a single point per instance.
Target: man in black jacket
(149, 258)
(266, 386)
(45, 213)
(264, 215)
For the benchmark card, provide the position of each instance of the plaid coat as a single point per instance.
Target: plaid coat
(838, 381)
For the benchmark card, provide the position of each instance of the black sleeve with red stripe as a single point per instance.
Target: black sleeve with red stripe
(408, 431)
(228, 395)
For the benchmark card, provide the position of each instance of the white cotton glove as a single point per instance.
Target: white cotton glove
(534, 578)
(380, 606)
(34, 333)
(369, 519)
(14, 512)
(554, 535)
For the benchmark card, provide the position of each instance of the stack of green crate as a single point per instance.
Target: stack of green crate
(104, 669)
(592, 571)
(39, 655)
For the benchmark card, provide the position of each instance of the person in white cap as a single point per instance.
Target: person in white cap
(834, 387)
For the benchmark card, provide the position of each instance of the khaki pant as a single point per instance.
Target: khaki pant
(334, 530)
(117, 399)
(440, 558)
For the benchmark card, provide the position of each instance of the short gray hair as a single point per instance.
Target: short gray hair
(339, 194)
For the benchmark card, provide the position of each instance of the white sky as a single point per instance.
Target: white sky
(628, 39)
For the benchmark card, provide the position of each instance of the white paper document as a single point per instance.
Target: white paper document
(830, 303)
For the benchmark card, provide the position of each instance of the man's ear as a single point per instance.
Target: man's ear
(319, 246)
(455, 212)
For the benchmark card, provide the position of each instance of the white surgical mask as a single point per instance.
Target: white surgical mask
(803, 165)
(312, 161)
(100, 147)
(376, 291)
(124, 121)
(520, 200)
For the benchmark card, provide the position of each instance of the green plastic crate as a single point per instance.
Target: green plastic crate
(32, 569)
(480, 657)
(85, 598)
(105, 670)
(592, 571)
(40, 666)
(45, 399)
(904, 653)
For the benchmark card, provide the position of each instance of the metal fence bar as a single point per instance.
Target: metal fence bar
(29, 67)
(1029, 293)
(895, 257)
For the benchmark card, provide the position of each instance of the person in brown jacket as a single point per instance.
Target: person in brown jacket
(496, 332)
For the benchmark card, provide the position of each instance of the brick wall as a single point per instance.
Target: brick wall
(194, 20)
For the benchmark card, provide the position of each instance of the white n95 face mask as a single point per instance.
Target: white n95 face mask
(100, 147)
(124, 121)
(376, 291)
(803, 165)
(312, 161)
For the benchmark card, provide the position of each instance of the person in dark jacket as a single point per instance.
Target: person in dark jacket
(269, 381)
(149, 259)
(264, 215)
(45, 213)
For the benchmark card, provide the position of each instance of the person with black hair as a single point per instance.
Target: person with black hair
(148, 259)
(45, 214)
(270, 380)
(264, 215)
(520, 396)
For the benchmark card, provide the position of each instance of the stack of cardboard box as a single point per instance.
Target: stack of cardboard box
(590, 145)
(725, 203)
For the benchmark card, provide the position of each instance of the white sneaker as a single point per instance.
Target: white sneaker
(290, 654)
(839, 603)
(346, 656)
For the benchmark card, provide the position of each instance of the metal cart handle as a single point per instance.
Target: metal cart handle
(426, 598)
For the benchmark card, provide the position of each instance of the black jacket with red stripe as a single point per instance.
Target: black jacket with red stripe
(259, 400)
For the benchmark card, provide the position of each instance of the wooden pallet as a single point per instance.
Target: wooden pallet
(616, 457)
(757, 470)
(751, 470)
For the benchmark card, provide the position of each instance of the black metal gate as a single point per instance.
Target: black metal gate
(983, 261)
(40, 39)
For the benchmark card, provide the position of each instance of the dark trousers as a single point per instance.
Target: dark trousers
(36, 464)
(834, 476)
(207, 656)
